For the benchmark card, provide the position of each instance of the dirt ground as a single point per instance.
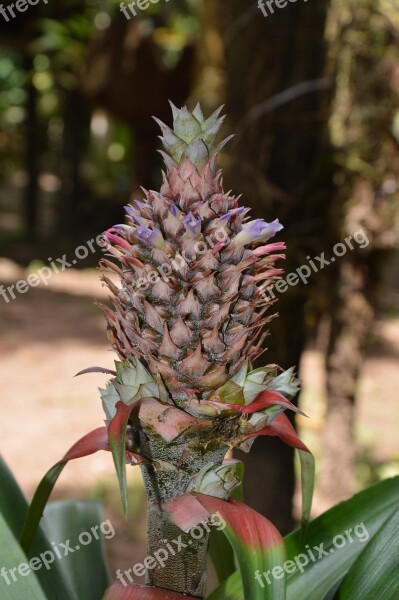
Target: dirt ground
(50, 333)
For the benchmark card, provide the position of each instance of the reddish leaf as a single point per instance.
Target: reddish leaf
(265, 399)
(186, 511)
(89, 444)
(251, 529)
(117, 443)
(257, 544)
(117, 591)
(116, 239)
(283, 428)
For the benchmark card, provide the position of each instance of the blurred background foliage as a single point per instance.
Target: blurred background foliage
(312, 94)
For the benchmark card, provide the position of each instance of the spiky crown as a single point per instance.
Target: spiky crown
(191, 305)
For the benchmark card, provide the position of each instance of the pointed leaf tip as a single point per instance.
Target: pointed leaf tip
(96, 370)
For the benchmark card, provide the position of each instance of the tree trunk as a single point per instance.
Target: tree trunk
(280, 160)
(363, 48)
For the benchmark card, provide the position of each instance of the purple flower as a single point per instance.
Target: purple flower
(132, 212)
(151, 237)
(257, 230)
(121, 227)
(192, 224)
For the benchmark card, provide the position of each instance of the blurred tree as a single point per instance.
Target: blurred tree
(277, 99)
(363, 37)
(125, 73)
(317, 147)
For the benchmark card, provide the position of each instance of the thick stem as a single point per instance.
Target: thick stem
(180, 558)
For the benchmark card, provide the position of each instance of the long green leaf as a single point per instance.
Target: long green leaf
(17, 580)
(14, 508)
(76, 528)
(230, 589)
(89, 444)
(257, 545)
(13, 505)
(117, 444)
(313, 581)
(375, 573)
(222, 555)
(357, 519)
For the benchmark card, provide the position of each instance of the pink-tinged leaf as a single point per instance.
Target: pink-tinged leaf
(118, 591)
(257, 544)
(116, 239)
(265, 399)
(186, 511)
(96, 370)
(89, 444)
(117, 443)
(276, 247)
(269, 273)
(283, 428)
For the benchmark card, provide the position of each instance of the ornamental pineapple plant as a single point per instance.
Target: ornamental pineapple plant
(187, 321)
(187, 275)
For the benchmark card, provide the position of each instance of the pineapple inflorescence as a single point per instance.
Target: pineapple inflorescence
(191, 306)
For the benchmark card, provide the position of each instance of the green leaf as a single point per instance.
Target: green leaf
(117, 443)
(13, 505)
(222, 555)
(230, 589)
(367, 510)
(361, 516)
(375, 573)
(17, 580)
(89, 444)
(83, 562)
(307, 485)
(14, 508)
(257, 545)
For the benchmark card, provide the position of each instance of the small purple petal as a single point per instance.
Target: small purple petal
(152, 237)
(139, 220)
(257, 230)
(121, 227)
(132, 212)
(192, 224)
